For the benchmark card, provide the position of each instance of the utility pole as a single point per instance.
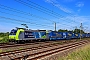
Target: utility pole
(80, 31)
(76, 29)
(55, 26)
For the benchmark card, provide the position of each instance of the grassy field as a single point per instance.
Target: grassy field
(80, 54)
(1, 38)
(4, 39)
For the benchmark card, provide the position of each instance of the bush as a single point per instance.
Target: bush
(4, 40)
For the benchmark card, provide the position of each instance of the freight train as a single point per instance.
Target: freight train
(23, 35)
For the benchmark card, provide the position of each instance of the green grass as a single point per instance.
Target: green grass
(79, 54)
(1, 38)
(4, 39)
(1, 50)
(21, 48)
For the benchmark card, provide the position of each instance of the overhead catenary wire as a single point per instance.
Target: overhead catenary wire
(21, 21)
(34, 5)
(21, 12)
(27, 4)
(18, 23)
(45, 9)
(26, 14)
(71, 14)
(41, 9)
(37, 8)
(21, 17)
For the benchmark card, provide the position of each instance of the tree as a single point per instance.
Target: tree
(60, 30)
(4, 34)
(78, 31)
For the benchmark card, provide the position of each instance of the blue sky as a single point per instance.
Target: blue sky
(42, 14)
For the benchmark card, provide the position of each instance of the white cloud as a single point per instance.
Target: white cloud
(74, 20)
(79, 4)
(79, 10)
(79, 19)
(58, 5)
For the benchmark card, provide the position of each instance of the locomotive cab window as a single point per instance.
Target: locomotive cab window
(13, 32)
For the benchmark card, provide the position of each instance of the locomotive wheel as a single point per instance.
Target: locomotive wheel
(17, 42)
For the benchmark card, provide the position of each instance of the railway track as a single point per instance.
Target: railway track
(14, 45)
(33, 43)
(40, 52)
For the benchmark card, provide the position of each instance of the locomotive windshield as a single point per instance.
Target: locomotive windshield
(13, 32)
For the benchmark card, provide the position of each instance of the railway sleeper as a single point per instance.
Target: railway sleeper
(24, 54)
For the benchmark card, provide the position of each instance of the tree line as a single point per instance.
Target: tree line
(2, 34)
(74, 31)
